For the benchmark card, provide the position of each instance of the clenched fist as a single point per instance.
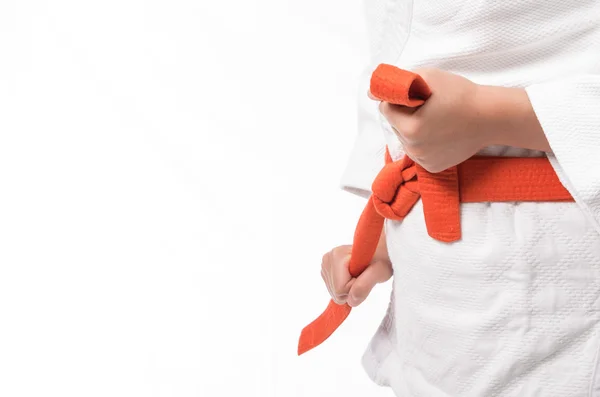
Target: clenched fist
(342, 287)
(461, 118)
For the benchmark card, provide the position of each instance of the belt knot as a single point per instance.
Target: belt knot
(400, 185)
(396, 189)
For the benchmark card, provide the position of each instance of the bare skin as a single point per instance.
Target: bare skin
(459, 119)
(342, 287)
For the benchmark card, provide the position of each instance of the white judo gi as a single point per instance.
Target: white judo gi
(512, 309)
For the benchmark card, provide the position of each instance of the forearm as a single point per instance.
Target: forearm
(507, 118)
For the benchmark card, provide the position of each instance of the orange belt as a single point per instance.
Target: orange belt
(401, 184)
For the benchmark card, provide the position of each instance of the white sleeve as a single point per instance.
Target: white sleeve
(569, 113)
(366, 159)
(368, 154)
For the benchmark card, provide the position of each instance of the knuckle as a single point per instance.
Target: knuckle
(425, 72)
(339, 254)
(360, 291)
(337, 284)
(338, 296)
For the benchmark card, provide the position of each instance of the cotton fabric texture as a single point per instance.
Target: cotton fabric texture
(513, 308)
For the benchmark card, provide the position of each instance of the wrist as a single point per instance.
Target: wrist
(492, 110)
(509, 119)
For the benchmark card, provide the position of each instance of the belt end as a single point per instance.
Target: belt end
(323, 327)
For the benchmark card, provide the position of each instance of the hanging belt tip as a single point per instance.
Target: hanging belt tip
(303, 347)
(319, 330)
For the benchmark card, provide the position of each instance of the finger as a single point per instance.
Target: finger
(326, 273)
(325, 277)
(400, 117)
(399, 135)
(343, 298)
(340, 274)
(395, 111)
(377, 272)
(340, 299)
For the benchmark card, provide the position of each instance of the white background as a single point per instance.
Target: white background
(169, 177)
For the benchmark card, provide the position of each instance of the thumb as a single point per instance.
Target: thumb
(377, 272)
